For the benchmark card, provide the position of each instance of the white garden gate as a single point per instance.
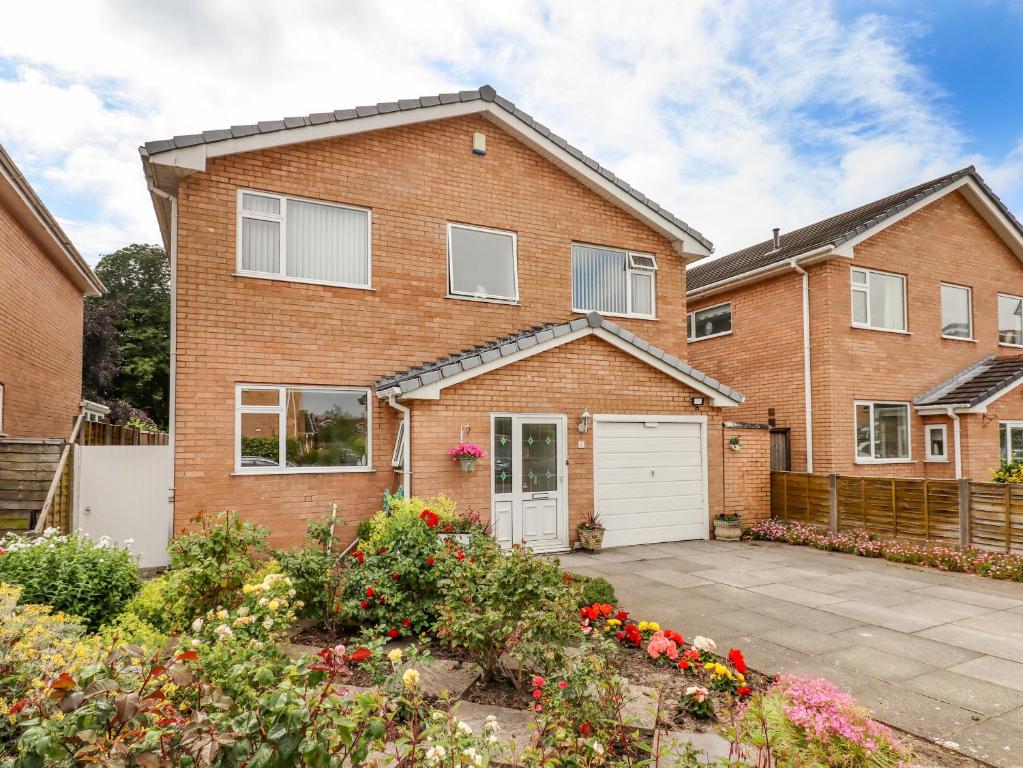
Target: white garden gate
(124, 492)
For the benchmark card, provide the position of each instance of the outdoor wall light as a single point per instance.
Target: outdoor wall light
(585, 420)
(697, 401)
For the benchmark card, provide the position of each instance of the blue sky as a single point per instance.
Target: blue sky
(737, 116)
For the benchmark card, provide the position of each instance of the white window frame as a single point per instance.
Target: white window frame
(281, 218)
(864, 288)
(691, 322)
(398, 457)
(631, 267)
(1008, 424)
(928, 428)
(453, 294)
(282, 410)
(857, 459)
(998, 330)
(969, 310)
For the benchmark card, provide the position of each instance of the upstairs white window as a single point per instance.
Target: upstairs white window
(882, 431)
(613, 282)
(956, 312)
(878, 300)
(301, 429)
(482, 263)
(303, 240)
(709, 322)
(1010, 320)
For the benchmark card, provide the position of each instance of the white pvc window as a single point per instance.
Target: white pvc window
(482, 263)
(882, 431)
(303, 240)
(613, 281)
(1011, 440)
(956, 312)
(878, 300)
(301, 429)
(1010, 320)
(936, 437)
(709, 322)
(398, 456)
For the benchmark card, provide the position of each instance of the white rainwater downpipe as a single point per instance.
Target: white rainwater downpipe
(955, 436)
(406, 449)
(807, 380)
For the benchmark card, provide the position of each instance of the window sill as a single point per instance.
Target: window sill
(484, 300)
(615, 314)
(1007, 344)
(302, 471)
(885, 461)
(936, 461)
(958, 338)
(712, 336)
(880, 330)
(302, 281)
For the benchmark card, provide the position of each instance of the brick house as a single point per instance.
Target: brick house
(900, 318)
(381, 284)
(43, 282)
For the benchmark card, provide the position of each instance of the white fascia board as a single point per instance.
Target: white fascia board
(432, 391)
(973, 193)
(194, 158)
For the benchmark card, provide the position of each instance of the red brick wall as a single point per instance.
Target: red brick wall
(946, 241)
(415, 179)
(747, 472)
(40, 338)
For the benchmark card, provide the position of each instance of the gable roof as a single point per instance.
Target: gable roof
(181, 155)
(842, 229)
(980, 383)
(425, 381)
(19, 197)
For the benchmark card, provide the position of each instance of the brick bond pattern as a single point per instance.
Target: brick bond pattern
(415, 179)
(946, 241)
(40, 338)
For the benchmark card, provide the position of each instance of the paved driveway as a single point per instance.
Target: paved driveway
(937, 654)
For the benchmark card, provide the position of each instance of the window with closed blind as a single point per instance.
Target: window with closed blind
(613, 282)
(303, 240)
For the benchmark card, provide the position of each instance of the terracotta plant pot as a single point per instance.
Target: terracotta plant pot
(591, 538)
(727, 530)
(468, 463)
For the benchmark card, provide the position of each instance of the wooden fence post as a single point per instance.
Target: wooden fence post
(964, 512)
(833, 502)
(927, 515)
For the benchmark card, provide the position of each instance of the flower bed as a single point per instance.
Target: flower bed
(945, 557)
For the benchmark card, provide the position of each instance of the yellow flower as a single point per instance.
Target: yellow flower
(395, 656)
(410, 678)
(612, 623)
(248, 589)
(274, 604)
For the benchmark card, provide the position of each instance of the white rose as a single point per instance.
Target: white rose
(197, 625)
(702, 643)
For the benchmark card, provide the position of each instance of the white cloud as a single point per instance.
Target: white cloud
(737, 116)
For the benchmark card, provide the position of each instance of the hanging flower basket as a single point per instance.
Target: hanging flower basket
(466, 454)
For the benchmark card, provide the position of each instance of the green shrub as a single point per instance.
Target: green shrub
(72, 574)
(403, 516)
(129, 629)
(513, 602)
(1009, 472)
(161, 602)
(593, 589)
(315, 571)
(217, 557)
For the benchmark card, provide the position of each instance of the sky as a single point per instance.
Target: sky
(736, 116)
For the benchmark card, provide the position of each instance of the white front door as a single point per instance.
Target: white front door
(529, 478)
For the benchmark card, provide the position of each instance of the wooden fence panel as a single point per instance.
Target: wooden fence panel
(943, 511)
(996, 516)
(102, 433)
(800, 497)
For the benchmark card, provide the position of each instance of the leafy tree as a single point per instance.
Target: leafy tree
(127, 331)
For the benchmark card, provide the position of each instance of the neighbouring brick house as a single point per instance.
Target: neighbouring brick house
(910, 337)
(43, 282)
(379, 285)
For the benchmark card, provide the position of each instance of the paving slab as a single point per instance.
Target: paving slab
(880, 665)
(978, 596)
(998, 741)
(732, 577)
(708, 742)
(930, 607)
(639, 709)
(882, 617)
(884, 597)
(1002, 623)
(749, 621)
(912, 711)
(808, 641)
(793, 594)
(438, 675)
(967, 692)
(673, 578)
(728, 595)
(977, 640)
(993, 670)
(514, 731)
(908, 646)
(801, 616)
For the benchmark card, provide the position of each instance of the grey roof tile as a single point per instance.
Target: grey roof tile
(834, 230)
(486, 93)
(451, 365)
(976, 383)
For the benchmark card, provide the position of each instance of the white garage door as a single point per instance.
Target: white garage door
(650, 479)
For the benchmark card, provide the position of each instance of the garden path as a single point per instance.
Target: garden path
(939, 655)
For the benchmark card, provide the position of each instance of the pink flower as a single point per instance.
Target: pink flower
(537, 694)
(538, 682)
(562, 685)
(661, 645)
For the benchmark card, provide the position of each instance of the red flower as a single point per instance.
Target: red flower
(364, 604)
(562, 685)
(620, 636)
(605, 610)
(735, 656)
(406, 622)
(392, 633)
(429, 518)
(622, 615)
(429, 560)
(744, 691)
(460, 555)
(369, 592)
(187, 656)
(449, 528)
(537, 694)
(4, 552)
(394, 577)
(383, 550)
(675, 637)
(683, 665)
(358, 555)
(585, 730)
(539, 682)
(21, 703)
(359, 655)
